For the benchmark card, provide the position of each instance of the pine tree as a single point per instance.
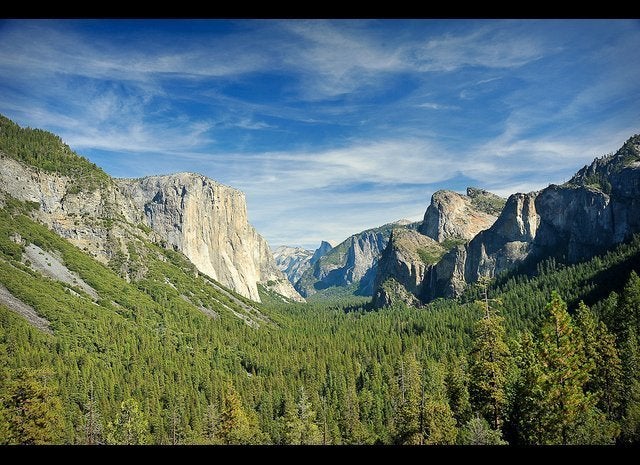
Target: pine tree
(627, 329)
(93, 420)
(130, 427)
(569, 414)
(438, 423)
(527, 399)
(32, 410)
(233, 427)
(300, 422)
(477, 432)
(564, 376)
(211, 420)
(457, 385)
(606, 372)
(409, 409)
(489, 365)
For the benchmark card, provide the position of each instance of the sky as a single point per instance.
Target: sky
(330, 127)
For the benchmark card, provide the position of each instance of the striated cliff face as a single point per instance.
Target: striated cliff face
(100, 221)
(352, 261)
(207, 222)
(597, 209)
(402, 267)
(195, 215)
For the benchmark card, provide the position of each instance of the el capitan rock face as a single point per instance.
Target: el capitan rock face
(207, 221)
(195, 215)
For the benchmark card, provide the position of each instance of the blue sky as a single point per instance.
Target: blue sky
(330, 127)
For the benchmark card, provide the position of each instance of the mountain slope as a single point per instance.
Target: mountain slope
(353, 261)
(111, 218)
(596, 210)
(294, 261)
(451, 219)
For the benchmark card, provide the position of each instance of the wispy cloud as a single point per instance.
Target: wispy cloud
(437, 106)
(489, 46)
(330, 127)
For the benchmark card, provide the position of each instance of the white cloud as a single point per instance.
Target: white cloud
(437, 106)
(489, 46)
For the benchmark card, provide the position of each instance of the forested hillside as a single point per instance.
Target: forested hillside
(165, 360)
(163, 354)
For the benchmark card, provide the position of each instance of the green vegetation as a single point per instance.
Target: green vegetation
(451, 242)
(431, 255)
(486, 201)
(47, 152)
(171, 357)
(146, 364)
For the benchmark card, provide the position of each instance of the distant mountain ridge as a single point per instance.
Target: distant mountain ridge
(594, 211)
(353, 261)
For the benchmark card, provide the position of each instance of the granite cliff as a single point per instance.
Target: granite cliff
(294, 261)
(352, 262)
(111, 218)
(597, 209)
(451, 219)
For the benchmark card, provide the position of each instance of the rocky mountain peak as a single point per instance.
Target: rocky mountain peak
(453, 215)
(325, 247)
(598, 172)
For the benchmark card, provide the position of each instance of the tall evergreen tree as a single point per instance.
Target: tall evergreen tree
(527, 397)
(627, 329)
(564, 376)
(130, 427)
(233, 427)
(32, 410)
(489, 364)
(457, 385)
(477, 432)
(599, 346)
(93, 420)
(409, 409)
(301, 422)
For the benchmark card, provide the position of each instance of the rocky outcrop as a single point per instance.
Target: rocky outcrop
(207, 222)
(353, 261)
(294, 261)
(191, 213)
(324, 249)
(596, 210)
(415, 266)
(101, 221)
(404, 262)
(452, 215)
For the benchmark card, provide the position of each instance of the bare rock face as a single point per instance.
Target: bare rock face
(419, 265)
(403, 267)
(86, 218)
(207, 222)
(195, 215)
(461, 216)
(597, 209)
(292, 261)
(354, 260)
